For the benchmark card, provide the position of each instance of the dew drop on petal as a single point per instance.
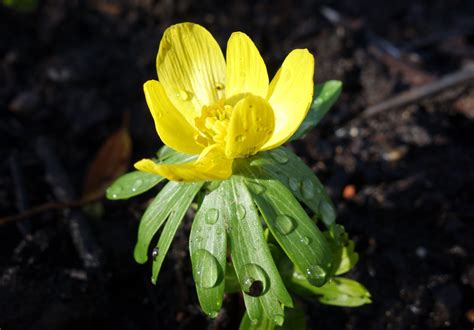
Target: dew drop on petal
(284, 224)
(220, 86)
(316, 275)
(212, 215)
(184, 95)
(205, 269)
(279, 155)
(240, 138)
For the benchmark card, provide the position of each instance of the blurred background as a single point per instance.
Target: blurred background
(400, 172)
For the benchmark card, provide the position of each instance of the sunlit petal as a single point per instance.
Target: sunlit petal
(290, 95)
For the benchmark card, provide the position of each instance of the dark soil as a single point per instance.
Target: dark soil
(68, 72)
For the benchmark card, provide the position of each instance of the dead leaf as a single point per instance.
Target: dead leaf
(111, 161)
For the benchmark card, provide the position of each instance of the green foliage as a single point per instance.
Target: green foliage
(325, 95)
(22, 5)
(250, 233)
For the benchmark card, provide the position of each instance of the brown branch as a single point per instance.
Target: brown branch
(50, 206)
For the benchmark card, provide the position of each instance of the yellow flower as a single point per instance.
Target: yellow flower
(222, 110)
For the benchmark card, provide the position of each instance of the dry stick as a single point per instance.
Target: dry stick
(45, 208)
(20, 193)
(80, 231)
(418, 93)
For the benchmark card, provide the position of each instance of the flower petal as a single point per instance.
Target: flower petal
(169, 121)
(251, 125)
(211, 165)
(246, 71)
(191, 68)
(290, 95)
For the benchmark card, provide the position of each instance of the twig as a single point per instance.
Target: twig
(418, 93)
(47, 207)
(80, 231)
(20, 193)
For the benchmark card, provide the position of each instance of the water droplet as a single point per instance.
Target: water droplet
(205, 269)
(256, 187)
(307, 189)
(211, 216)
(114, 191)
(220, 86)
(137, 184)
(284, 224)
(305, 240)
(240, 138)
(294, 184)
(279, 155)
(184, 95)
(316, 275)
(212, 314)
(327, 212)
(254, 280)
(240, 212)
(278, 319)
(154, 253)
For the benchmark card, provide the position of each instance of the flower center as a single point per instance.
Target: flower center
(212, 124)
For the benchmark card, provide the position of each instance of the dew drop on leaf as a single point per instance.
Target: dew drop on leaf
(257, 188)
(205, 269)
(279, 156)
(305, 240)
(284, 224)
(327, 212)
(212, 215)
(240, 211)
(137, 184)
(307, 189)
(114, 191)
(254, 280)
(316, 275)
(279, 319)
(154, 253)
(294, 184)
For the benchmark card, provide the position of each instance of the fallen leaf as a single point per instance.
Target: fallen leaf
(111, 161)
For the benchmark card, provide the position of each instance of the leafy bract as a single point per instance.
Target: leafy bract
(294, 320)
(339, 291)
(208, 250)
(325, 95)
(174, 197)
(294, 231)
(137, 182)
(264, 292)
(283, 165)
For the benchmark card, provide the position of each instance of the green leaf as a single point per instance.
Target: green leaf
(294, 320)
(339, 291)
(349, 258)
(173, 197)
(208, 250)
(283, 165)
(232, 284)
(183, 201)
(137, 182)
(132, 184)
(22, 5)
(325, 95)
(294, 231)
(345, 258)
(264, 291)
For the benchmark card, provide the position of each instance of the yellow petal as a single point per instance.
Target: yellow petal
(191, 68)
(246, 70)
(211, 165)
(170, 124)
(290, 95)
(251, 125)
